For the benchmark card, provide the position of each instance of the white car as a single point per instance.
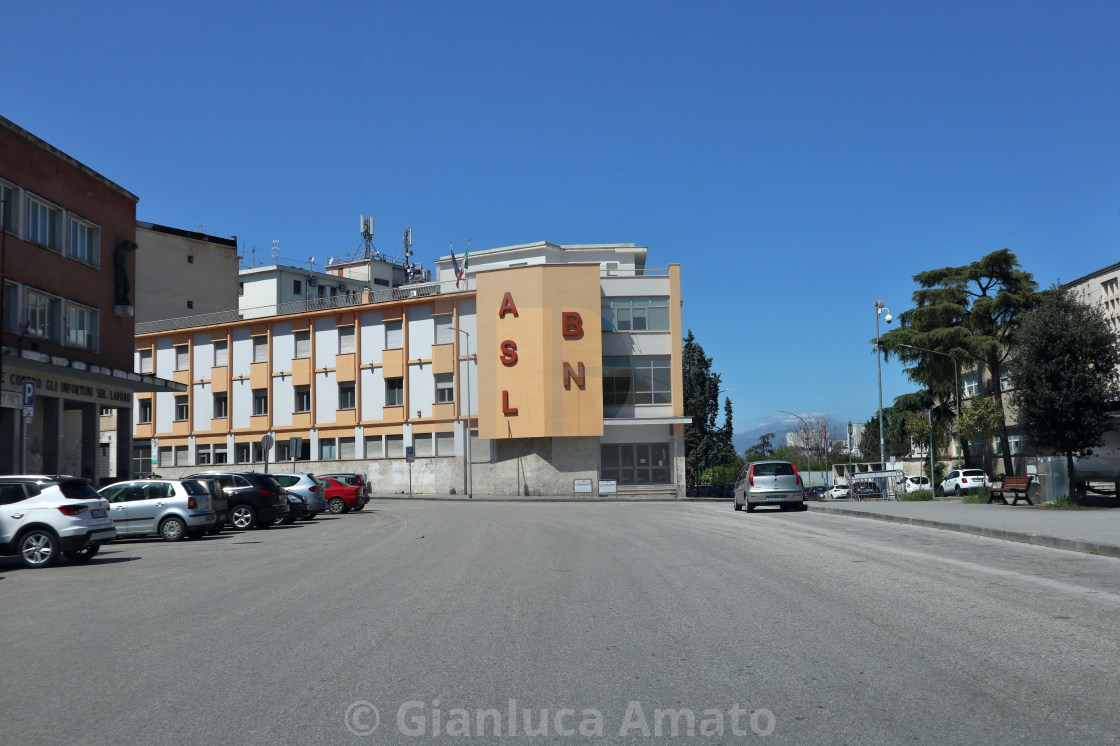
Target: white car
(42, 517)
(962, 480)
(836, 492)
(913, 484)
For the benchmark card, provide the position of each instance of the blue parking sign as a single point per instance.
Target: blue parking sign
(29, 393)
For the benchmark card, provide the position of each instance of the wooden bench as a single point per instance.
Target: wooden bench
(1017, 486)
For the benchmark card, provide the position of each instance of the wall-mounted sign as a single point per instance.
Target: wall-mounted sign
(608, 486)
(582, 486)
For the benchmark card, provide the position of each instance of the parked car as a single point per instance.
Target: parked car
(307, 487)
(913, 484)
(255, 500)
(770, 483)
(702, 490)
(45, 516)
(172, 508)
(342, 498)
(862, 489)
(219, 501)
(297, 509)
(836, 492)
(816, 492)
(352, 480)
(727, 489)
(962, 480)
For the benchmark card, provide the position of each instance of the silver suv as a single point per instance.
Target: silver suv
(172, 508)
(44, 516)
(307, 487)
(770, 483)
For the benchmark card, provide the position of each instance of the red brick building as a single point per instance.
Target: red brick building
(67, 259)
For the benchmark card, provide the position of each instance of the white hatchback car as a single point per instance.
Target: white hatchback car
(913, 484)
(836, 492)
(962, 480)
(42, 517)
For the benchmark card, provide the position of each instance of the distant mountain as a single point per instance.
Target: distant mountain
(743, 441)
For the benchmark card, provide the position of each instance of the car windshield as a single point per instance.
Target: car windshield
(78, 489)
(972, 473)
(779, 469)
(195, 488)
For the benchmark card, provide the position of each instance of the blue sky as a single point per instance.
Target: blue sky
(800, 160)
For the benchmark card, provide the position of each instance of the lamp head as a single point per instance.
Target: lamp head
(888, 318)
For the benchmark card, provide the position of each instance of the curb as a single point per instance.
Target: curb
(1054, 542)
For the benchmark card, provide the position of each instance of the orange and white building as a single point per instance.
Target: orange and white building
(562, 362)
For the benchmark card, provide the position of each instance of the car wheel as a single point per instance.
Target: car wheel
(750, 507)
(38, 548)
(336, 505)
(172, 529)
(85, 554)
(737, 505)
(957, 490)
(242, 517)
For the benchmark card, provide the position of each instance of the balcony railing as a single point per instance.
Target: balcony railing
(368, 297)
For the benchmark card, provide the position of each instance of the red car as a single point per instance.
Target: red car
(342, 498)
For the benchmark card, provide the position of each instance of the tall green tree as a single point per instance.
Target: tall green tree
(705, 444)
(763, 449)
(1063, 370)
(968, 313)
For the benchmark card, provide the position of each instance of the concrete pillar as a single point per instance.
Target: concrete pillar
(123, 466)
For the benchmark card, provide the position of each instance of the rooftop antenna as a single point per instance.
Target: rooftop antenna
(253, 257)
(367, 235)
(312, 262)
(275, 251)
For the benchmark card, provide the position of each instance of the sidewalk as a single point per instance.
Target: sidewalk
(1092, 530)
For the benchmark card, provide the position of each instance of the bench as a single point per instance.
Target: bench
(1017, 486)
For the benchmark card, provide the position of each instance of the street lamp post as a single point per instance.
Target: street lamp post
(879, 309)
(467, 451)
(809, 465)
(956, 394)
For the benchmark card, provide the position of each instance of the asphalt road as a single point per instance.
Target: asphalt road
(597, 623)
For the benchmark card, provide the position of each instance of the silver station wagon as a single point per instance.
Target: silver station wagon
(770, 483)
(172, 508)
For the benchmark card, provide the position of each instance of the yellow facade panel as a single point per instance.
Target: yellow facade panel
(346, 368)
(392, 364)
(443, 358)
(540, 352)
(219, 380)
(301, 371)
(259, 375)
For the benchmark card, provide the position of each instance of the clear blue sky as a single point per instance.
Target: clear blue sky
(800, 160)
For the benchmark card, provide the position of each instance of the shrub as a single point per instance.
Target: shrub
(916, 496)
(978, 497)
(1067, 502)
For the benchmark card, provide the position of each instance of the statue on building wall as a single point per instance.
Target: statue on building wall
(120, 272)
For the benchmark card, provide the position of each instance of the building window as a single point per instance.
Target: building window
(241, 288)
(346, 398)
(260, 349)
(190, 258)
(445, 332)
(394, 392)
(260, 402)
(346, 449)
(297, 287)
(303, 344)
(144, 416)
(394, 335)
(9, 206)
(182, 409)
(345, 340)
(145, 361)
(182, 357)
(81, 327)
(636, 314)
(221, 455)
(42, 315)
(221, 406)
(394, 446)
(303, 399)
(221, 353)
(190, 304)
(445, 388)
(635, 463)
(970, 385)
(242, 452)
(43, 222)
(381, 282)
(641, 379)
(1005, 380)
(85, 242)
(327, 449)
(1016, 442)
(202, 455)
(106, 411)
